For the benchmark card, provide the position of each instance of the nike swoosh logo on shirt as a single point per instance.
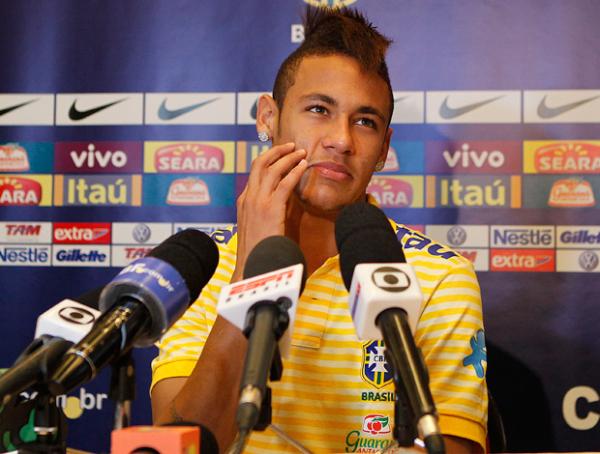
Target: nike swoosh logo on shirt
(76, 115)
(550, 112)
(15, 107)
(448, 112)
(167, 114)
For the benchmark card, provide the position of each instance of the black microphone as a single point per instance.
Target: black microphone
(385, 297)
(274, 277)
(208, 441)
(140, 304)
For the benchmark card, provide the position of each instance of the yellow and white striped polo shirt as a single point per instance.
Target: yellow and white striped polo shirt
(336, 392)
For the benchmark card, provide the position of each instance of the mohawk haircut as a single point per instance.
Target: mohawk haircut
(336, 31)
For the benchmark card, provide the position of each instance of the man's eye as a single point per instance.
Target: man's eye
(367, 122)
(317, 109)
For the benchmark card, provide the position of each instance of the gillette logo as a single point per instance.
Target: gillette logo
(77, 255)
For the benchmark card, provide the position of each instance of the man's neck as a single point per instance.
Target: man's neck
(314, 233)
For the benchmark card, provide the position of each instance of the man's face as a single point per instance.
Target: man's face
(339, 115)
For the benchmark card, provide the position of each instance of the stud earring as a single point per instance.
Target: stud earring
(263, 136)
(379, 166)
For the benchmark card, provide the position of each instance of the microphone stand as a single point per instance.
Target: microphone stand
(122, 389)
(414, 410)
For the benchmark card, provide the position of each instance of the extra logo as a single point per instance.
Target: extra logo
(522, 260)
(562, 157)
(473, 157)
(98, 157)
(396, 192)
(81, 233)
(375, 370)
(474, 191)
(19, 191)
(571, 193)
(588, 260)
(13, 158)
(188, 191)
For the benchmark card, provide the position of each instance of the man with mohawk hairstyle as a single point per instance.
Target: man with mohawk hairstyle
(328, 121)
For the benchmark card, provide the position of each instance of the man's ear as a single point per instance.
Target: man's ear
(385, 146)
(267, 114)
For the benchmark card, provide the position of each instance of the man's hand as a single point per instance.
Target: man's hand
(261, 207)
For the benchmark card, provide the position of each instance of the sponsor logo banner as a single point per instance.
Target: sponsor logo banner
(98, 157)
(25, 232)
(209, 229)
(73, 109)
(375, 369)
(522, 236)
(376, 424)
(184, 190)
(473, 106)
(97, 190)
(24, 255)
(190, 108)
(25, 190)
(20, 109)
(396, 192)
(480, 258)
(449, 157)
(543, 191)
(247, 105)
(474, 191)
(81, 233)
(81, 255)
(561, 156)
(189, 157)
(522, 260)
(409, 107)
(578, 236)
(248, 151)
(25, 157)
(469, 236)
(582, 260)
(123, 255)
(404, 158)
(561, 106)
(141, 233)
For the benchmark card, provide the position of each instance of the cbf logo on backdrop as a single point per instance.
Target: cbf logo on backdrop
(375, 369)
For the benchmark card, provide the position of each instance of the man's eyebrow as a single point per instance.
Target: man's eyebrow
(332, 102)
(373, 111)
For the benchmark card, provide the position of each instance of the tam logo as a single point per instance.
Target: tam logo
(522, 260)
(82, 232)
(133, 253)
(19, 191)
(376, 424)
(13, 158)
(189, 158)
(570, 157)
(391, 192)
(23, 229)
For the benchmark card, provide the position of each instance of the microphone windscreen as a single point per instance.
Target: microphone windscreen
(274, 253)
(193, 254)
(208, 442)
(91, 298)
(363, 234)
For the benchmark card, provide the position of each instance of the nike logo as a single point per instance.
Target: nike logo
(254, 109)
(400, 99)
(166, 114)
(550, 112)
(15, 107)
(76, 115)
(448, 112)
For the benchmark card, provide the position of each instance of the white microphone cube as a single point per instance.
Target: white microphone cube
(68, 319)
(376, 287)
(236, 299)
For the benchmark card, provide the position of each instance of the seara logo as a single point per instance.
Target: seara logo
(330, 3)
(391, 192)
(571, 193)
(19, 191)
(189, 158)
(569, 157)
(13, 158)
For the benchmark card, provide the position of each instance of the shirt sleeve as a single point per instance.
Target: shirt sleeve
(181, 346)
(450, 334)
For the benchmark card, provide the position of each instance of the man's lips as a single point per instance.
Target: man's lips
(331, 170)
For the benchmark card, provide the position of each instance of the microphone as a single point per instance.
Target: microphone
(385, 302)
(56, 331)
(140, 304)
(174, 437)
(263, 305)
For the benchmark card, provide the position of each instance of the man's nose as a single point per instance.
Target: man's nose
(339, 136)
